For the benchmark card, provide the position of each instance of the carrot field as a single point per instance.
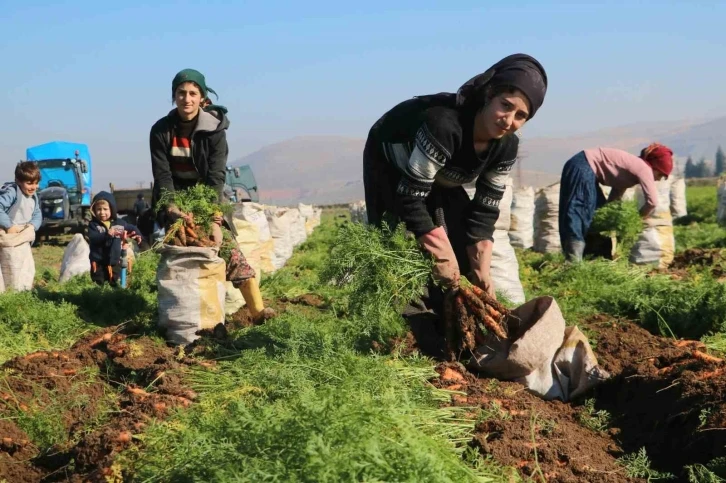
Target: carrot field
(340, 387)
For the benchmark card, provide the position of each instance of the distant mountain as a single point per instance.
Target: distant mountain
(328, 169)
(322, 169)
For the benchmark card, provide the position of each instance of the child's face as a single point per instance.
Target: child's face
(102, 211)
(28, 187)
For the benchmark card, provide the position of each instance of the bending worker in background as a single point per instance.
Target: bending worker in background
(421, 152)
(581, 195)
(189, 146)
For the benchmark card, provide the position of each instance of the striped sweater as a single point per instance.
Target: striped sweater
(180, 150)
(431, 142)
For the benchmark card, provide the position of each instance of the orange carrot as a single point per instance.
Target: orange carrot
(488, 300)
(104, 338)
(184, 401)
(117, 351)
(181, 234)
(36, 355)
(710, 374)
(707, 358)
(124, 437)
(137, 391)
(69, 372)
(450, 374)
(477, 306)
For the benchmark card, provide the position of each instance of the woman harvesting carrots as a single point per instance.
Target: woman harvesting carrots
(189, 147)
(421, 152)
(580, 194)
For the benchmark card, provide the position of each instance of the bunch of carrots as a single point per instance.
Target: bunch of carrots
(184, 233)
(469, 314)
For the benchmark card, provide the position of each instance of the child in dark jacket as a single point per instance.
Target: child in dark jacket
(106, 235)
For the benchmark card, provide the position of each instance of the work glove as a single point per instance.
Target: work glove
(446, 268)
(480, 267)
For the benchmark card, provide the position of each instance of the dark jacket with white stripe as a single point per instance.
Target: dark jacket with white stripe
(209, 152)
(430, 141)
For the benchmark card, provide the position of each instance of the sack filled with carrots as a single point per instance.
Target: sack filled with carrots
(194, 219)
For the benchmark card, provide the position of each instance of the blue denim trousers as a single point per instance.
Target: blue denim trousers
(580, 196)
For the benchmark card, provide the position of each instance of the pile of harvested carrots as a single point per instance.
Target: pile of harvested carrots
(188, 234)
(469, 314)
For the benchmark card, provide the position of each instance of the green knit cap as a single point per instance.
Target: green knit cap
(191, 75)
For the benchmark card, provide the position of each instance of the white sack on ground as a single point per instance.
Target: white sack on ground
(255, 213)
(191, 285)
(656, 243)
(679, 206)
(306, 212)
(546, 220)
(548, 358)
(281, 231)
(76, 258)
(358, 212)
(297, 229)
(504, 267)
(16, 259)
(317, 215)
(521, 226)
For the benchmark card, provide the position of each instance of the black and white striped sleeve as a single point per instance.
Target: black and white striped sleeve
(426, 159)
(434, 144)
(483, 211)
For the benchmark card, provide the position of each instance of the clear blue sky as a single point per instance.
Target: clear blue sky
(100, 73)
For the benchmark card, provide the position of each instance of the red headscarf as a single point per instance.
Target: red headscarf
(659, 157)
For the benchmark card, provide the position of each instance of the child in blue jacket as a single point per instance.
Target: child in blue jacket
(105, 234)
(19, 203)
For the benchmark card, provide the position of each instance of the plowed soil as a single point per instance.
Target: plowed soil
(91, 401)
(663, 395)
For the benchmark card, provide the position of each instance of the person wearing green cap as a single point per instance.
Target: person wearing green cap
(189, 146)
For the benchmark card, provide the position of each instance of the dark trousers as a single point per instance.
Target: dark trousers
(580, 196)
(102, 273)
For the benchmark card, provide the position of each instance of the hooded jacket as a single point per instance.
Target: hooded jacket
(209, 152)
(106, 249)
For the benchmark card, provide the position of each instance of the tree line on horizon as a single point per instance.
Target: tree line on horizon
(703, 169)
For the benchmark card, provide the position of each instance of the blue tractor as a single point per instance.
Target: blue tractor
(65, 186)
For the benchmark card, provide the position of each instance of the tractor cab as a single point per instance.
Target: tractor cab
(240, 184)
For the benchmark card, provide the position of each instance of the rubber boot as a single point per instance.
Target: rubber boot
(253, 298)
(574, 250)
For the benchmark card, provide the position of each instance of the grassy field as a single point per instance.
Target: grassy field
(331, 389)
